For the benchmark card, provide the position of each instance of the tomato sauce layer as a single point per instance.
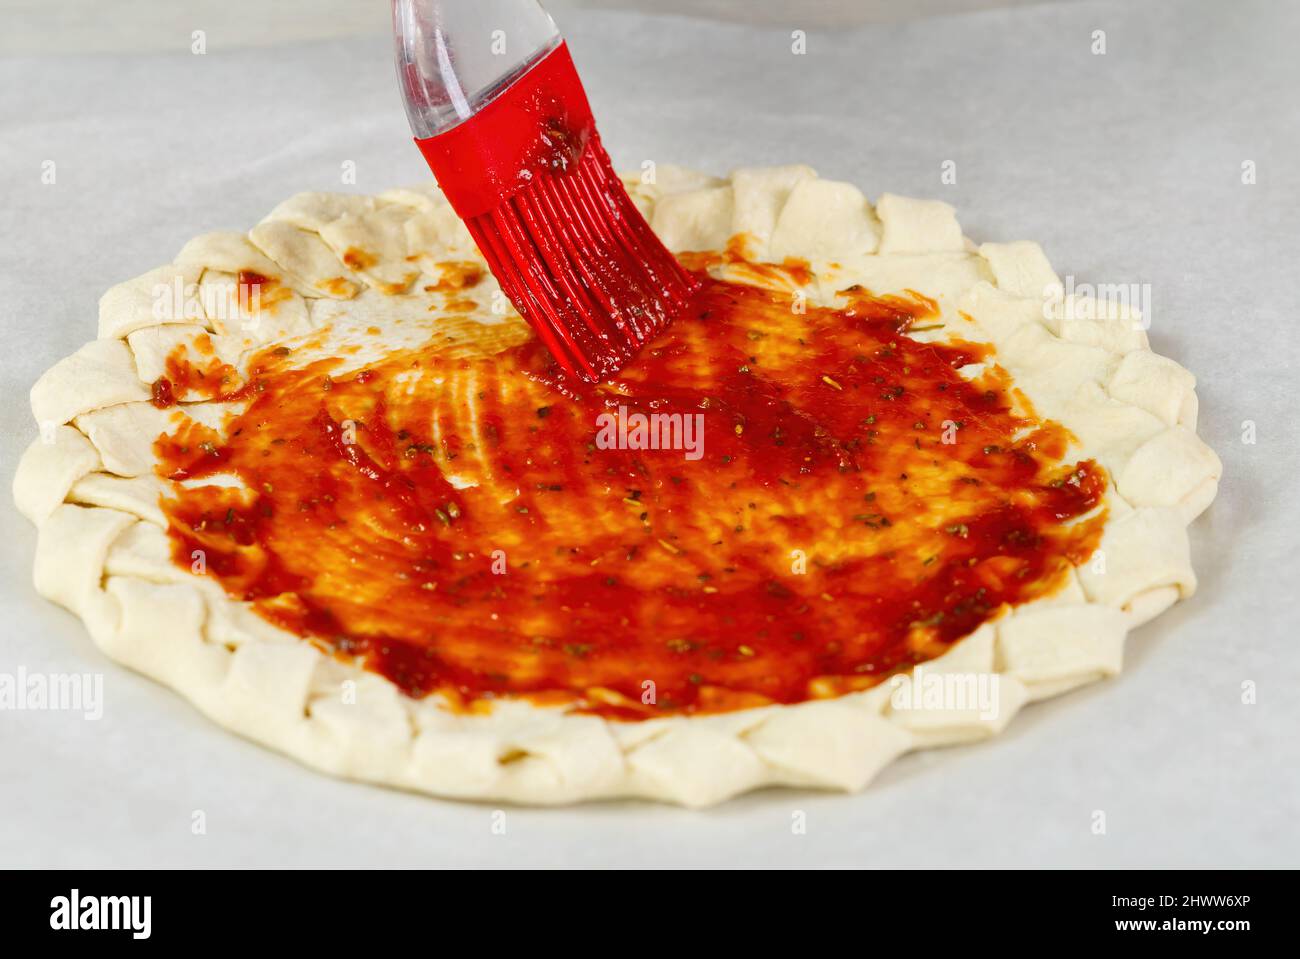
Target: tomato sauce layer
(775, 502)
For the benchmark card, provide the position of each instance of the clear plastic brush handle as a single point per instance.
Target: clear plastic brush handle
(455, 56)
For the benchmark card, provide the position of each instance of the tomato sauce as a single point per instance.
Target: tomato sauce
(852, 506)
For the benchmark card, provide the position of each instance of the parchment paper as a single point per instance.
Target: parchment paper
(1127, 166)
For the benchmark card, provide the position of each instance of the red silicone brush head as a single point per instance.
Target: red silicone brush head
(536, 189)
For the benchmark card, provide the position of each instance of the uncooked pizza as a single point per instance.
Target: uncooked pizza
(878, 488)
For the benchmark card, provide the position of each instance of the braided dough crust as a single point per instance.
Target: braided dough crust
(353, 262)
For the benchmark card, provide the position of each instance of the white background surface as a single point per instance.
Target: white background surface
(1127, 167)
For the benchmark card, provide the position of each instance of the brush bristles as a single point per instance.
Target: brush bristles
(582, 266)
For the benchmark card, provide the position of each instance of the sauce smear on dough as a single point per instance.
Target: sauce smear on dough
(458, 525)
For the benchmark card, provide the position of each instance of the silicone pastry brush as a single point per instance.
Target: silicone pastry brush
(502, 119)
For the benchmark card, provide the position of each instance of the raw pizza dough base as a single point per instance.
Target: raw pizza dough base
(103, 551)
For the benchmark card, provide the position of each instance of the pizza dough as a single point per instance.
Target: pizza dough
(360, 277)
